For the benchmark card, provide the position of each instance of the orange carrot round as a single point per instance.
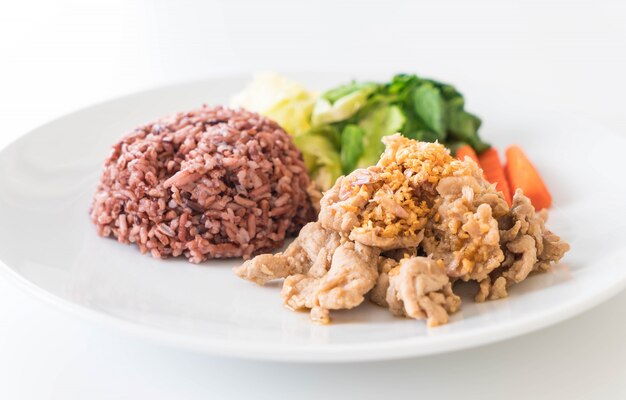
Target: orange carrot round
(489, 161)
(522, 174)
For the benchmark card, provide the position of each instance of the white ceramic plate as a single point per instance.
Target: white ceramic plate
(48, 243)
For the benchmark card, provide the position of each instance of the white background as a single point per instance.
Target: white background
(58, 56)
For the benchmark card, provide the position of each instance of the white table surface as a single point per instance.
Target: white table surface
(56, 57)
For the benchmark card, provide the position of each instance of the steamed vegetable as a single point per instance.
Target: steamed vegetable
(422, 109)
(341, 103)
(493, 172)
(342, 129)
(351, 146)
(281, 99)
(376, 123)
(321, 157)
(466, 151)
(522, 174)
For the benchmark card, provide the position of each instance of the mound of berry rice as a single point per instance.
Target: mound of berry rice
(210, 183)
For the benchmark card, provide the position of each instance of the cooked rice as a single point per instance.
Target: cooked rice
(211, 183)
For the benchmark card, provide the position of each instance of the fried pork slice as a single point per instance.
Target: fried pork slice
(370, 238)
(351, 275)
(416, 287)
(362, 193)
(527, 245)
(378, 295)
(388, 205)
(341, 204)
(464, 231)
(310, 252)
(322, 271)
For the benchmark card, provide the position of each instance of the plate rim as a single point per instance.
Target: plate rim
(344, 353)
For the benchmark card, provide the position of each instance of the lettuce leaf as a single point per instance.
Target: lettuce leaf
(320, 157)
(351, 146)
(341, 103)
(285, 101)
(379, 122)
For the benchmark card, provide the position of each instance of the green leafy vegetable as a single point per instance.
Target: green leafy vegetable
(351, 147)
(463, 126)
(331, 108)
(342, 129)
(335, 94)
(429, 107)
(420, 109)
(379, 122)
(320, 157)
(278, 98)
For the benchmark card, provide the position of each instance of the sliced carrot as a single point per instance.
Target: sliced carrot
(489, 161)
(522, 174)
(466, 150)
